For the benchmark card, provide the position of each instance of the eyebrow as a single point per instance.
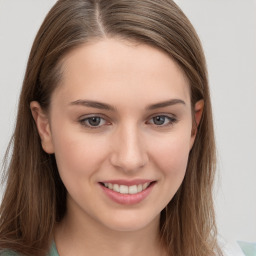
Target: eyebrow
(166, 104)
(104, 106)
(93, 104)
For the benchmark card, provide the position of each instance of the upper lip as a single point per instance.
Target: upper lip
(128, 182)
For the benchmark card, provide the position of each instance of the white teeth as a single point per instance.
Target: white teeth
(116, 188)
(139, 188)
(133, 189)
(123, 189)
(144, 186)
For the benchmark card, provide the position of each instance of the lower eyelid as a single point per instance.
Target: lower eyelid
(172, 120)
(85, 120)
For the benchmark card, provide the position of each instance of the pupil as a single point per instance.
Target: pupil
(94, 121)
(159, 120)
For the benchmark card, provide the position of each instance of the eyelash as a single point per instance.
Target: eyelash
(168, 121)
(85, 121)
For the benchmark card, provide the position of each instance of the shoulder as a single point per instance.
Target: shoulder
(5, 252)
(8, 253)
(53, 250)
(231, 249)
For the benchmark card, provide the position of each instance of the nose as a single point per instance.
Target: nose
(128, 150)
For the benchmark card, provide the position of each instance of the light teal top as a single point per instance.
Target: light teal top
(249, 249)
(53, 252)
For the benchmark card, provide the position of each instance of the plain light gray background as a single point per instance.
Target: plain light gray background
(227, 29)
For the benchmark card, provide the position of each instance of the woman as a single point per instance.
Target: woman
(113, 150)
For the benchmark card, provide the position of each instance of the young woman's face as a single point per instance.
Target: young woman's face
(120, 126)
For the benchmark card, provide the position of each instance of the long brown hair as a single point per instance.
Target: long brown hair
(35, 197)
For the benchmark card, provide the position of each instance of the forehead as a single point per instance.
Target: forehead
(112, 67)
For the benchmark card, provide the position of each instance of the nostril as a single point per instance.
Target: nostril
(128, 163)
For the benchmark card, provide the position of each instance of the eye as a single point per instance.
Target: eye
(162, 120)
(93, 121)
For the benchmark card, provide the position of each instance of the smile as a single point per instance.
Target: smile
(123, 189)
(127, 192)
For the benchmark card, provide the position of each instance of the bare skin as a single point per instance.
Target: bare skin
(121, 117)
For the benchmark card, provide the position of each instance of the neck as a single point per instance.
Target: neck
(79, 235)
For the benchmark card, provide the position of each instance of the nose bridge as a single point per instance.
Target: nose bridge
(129, 151)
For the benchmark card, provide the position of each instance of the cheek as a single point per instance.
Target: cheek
(77, 154)
(171, 158)
(171, 155)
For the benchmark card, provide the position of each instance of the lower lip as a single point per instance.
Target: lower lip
(127, 199)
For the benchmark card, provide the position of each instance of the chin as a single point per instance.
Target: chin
(131, 222)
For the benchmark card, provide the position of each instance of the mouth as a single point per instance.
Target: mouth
(127, 192)
(126, 189)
